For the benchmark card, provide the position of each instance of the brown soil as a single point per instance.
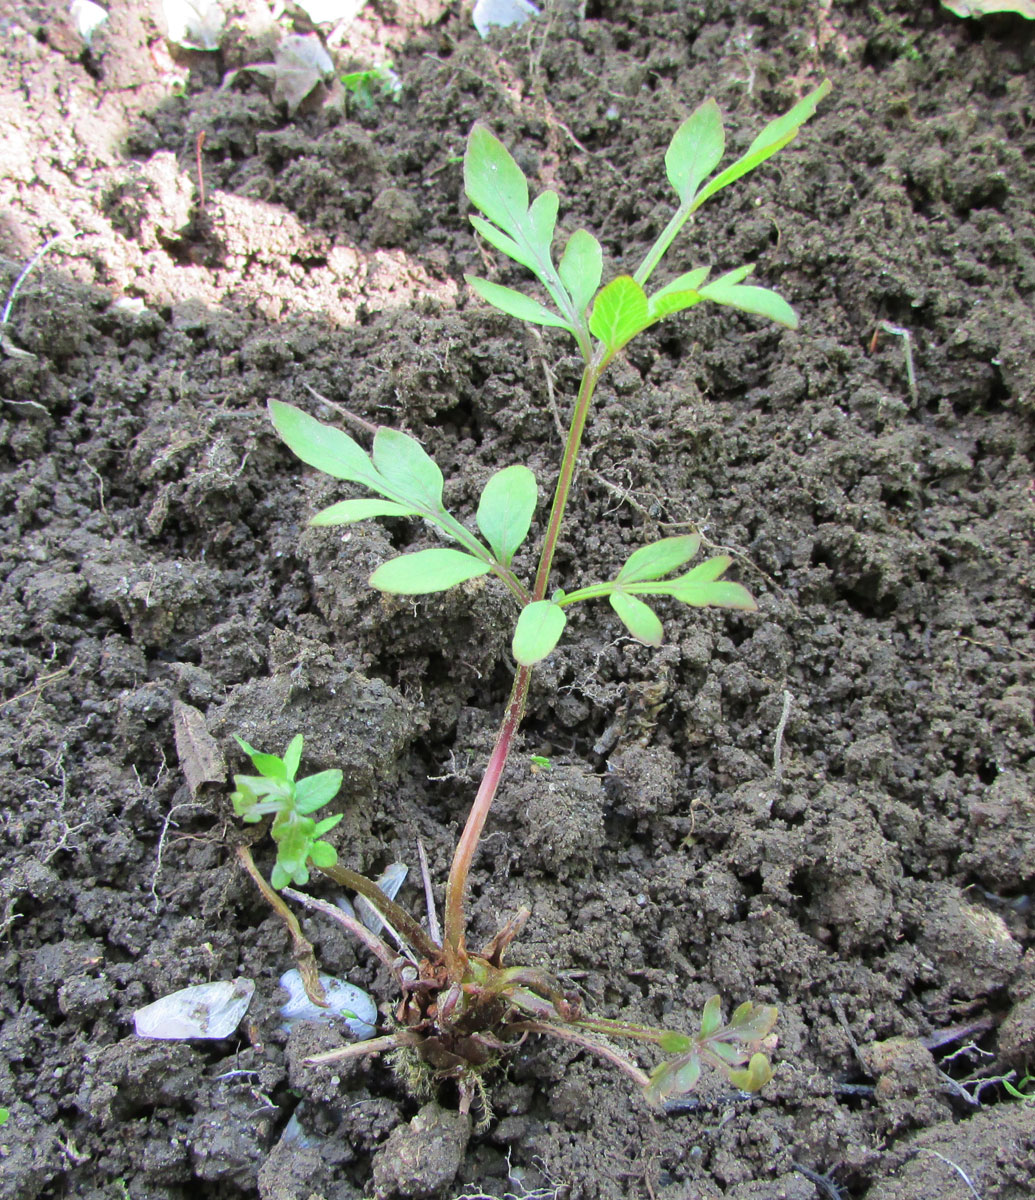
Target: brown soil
(875, 883)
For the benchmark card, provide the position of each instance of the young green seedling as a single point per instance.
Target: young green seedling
(461, 1009)
(275, 792)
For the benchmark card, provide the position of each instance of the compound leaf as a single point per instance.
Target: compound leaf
(659, 558)
(408, 469)
(505, 510)
(538, 630)
(619, 312)
(580, 268)
(345, 512)
(673, 1078)
(427, 571)
(322, 446)
(639, 618)
(516, 304)
(494, 182)
(773, 137)
(695, 151)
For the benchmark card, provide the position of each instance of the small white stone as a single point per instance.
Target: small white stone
(502, 13)
(207, 1010)
(347, 1002)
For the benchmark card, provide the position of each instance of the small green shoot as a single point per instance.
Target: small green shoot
(541, 763)
(1023, 1090)
(275, 792)
(5, 1115)
(364, 88)
(730, 1047)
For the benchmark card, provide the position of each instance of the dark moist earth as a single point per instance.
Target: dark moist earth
(870, 871)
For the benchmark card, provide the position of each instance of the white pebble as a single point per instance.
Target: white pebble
(346, 1001)
(207, 1010)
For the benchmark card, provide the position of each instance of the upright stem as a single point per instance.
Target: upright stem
(590, 379)
(456, 886)
(453, 942)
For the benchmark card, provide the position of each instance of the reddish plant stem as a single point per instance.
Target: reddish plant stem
(201, 173)
(454, 945)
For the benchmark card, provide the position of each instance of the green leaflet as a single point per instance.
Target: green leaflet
(639, 618)
(427, 571)
(316, 791)
(711, 1016)
(407, 469)
(580, 268)
(494, 182)
(681, 293)
(516, 304)
(752, 299)
(506, 245)
(773, 137)
(345, 512)
(542, 220)
(505, 510)
(619, 312)
(695, 150)
(659, 558)
(538, 630)
(322, 446)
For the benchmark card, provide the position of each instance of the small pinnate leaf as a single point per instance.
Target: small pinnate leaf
(678, 295)
(538, 631)
(327, 824)
(345, 512)
(639, 618)
(754, 1077)
(752, 1022)
(506, 245)
(505, 510)
(323, 854)
(317, 790)
(322, 446)
(427, 571)
(619, 312)
(711, 1017)
(659, 558)
(494, 182)
(773, 137)
(269, 765)
(675, 1043)
(695, 151)
(542, 220)
(674, 1078)
(715, 595)
(760, 301)
(516, 304)
(580, 268)
(407, 469)
(293, 756)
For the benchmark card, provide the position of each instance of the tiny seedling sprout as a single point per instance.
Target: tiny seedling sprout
(461, 1009)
